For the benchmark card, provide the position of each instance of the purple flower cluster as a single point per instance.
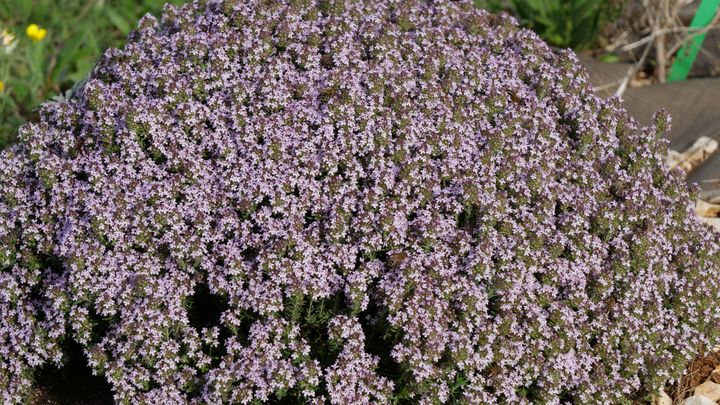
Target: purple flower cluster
(335, 201)
(33, 298)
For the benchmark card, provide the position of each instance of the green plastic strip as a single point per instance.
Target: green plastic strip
(687, 54)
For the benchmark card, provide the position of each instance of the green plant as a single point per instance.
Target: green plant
(575, 23)
(34, 69)
(349, 201)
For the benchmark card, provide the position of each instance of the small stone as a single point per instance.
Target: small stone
(715, 375)
(709, 390)
(662, 399)
(698, 400)
(705, 209)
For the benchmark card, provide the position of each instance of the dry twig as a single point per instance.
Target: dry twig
(665, 36)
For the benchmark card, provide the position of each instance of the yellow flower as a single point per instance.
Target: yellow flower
(35, 32)
(2, 86)
(6, 38)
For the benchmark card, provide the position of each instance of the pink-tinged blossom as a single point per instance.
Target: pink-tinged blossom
(349, 202)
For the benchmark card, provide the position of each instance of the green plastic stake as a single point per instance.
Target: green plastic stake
(687, 54)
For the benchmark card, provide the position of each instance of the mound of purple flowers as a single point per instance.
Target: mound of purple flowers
(348, 202)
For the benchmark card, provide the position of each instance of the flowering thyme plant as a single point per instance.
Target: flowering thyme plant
(348, 201)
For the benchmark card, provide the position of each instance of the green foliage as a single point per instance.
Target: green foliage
(77, 33)
(564, 23)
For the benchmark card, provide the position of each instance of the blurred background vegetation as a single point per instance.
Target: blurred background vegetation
(37, 65)
(70, 35)
(575, 24)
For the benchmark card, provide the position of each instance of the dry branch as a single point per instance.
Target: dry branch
(693, 156)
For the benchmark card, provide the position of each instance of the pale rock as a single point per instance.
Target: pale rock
(698, 400)
(662, 399)
(709, 390)
(715, 375)
(705, 209)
